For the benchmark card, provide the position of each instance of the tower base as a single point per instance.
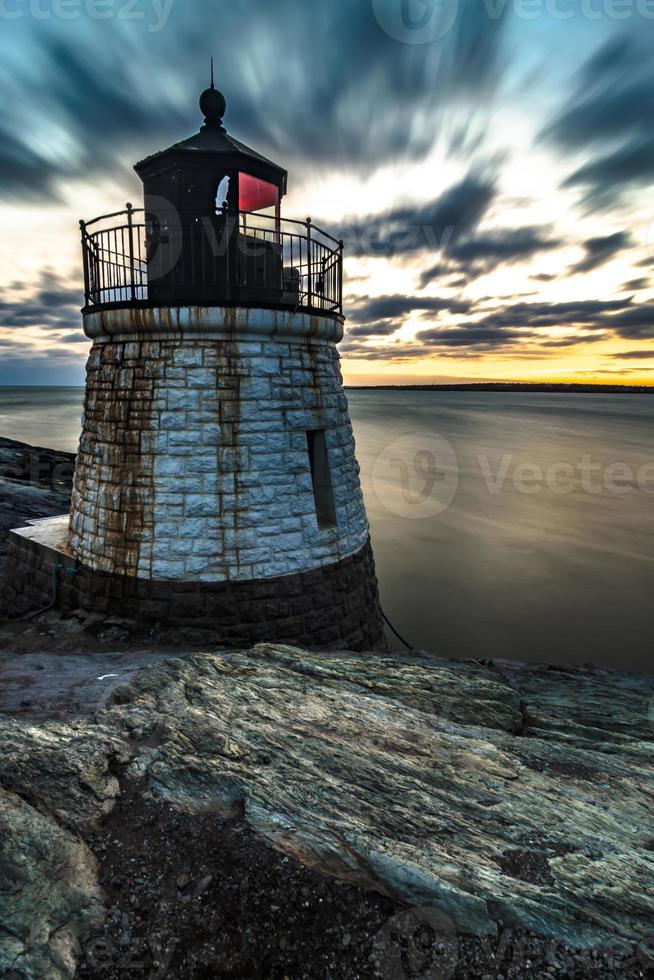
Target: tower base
(332, 606)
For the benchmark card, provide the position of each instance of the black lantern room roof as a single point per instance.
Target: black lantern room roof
(213, 141)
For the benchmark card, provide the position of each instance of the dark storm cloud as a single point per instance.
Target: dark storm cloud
(306, 82)
(385, 307)
(472, 257)
(613, 105)
(23, 172)
(383, 328)
(471, 335)
(600, 249)
(98, 105)
(407, 229)
(513, 329)
(591, 314)
(506, 246)
(607, 177)
(366, 96)
(486, 337)
(383, 315)
(635, 355)
(489, 339)
(636, 285)
(397, 351)
(53, 305)
(506, 329)
(436, 272)
(407, 352)
(634, 322)
(613, 95)
(55, 292)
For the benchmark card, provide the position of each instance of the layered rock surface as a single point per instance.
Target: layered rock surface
(505, 792)
(48, 893)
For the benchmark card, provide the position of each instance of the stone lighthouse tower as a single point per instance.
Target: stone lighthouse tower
(216, 483)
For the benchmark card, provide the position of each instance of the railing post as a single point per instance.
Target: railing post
(309, 265)
(132, 274)
(85, 263)
(341, 246)
(225, 240)
(232, 264)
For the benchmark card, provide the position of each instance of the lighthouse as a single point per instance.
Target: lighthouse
(216, 483)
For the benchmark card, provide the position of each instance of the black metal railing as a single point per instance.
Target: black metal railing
(134, 257)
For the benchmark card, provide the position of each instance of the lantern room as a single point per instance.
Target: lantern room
(200, 175)
(210, 234)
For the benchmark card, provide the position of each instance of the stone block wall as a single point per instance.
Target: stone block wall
(193, 461)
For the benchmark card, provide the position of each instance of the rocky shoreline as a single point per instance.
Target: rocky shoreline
(34, 483)
(170, 808)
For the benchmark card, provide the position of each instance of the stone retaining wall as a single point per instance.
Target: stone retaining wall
(334, 606)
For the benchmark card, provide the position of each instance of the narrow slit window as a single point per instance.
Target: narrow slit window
(321, 478)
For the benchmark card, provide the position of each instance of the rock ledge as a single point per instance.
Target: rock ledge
(504, 793)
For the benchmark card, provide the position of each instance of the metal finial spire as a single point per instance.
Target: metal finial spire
(213, 105)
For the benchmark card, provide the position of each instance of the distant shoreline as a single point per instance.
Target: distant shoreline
(528, 386)
(500, 386)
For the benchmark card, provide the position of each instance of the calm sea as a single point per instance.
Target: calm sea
(504, 524)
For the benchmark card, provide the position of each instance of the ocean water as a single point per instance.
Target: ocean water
(48, 417)
(515, 525)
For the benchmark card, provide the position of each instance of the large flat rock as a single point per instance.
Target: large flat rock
(513, 793)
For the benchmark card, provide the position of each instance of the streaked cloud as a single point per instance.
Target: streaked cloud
(485, 185)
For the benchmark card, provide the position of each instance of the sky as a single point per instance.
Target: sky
(489, 164)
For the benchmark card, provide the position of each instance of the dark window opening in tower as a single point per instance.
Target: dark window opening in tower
(321, 478)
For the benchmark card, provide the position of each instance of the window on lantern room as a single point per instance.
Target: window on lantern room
(255, 194)
(222, 192)
(260, 196)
